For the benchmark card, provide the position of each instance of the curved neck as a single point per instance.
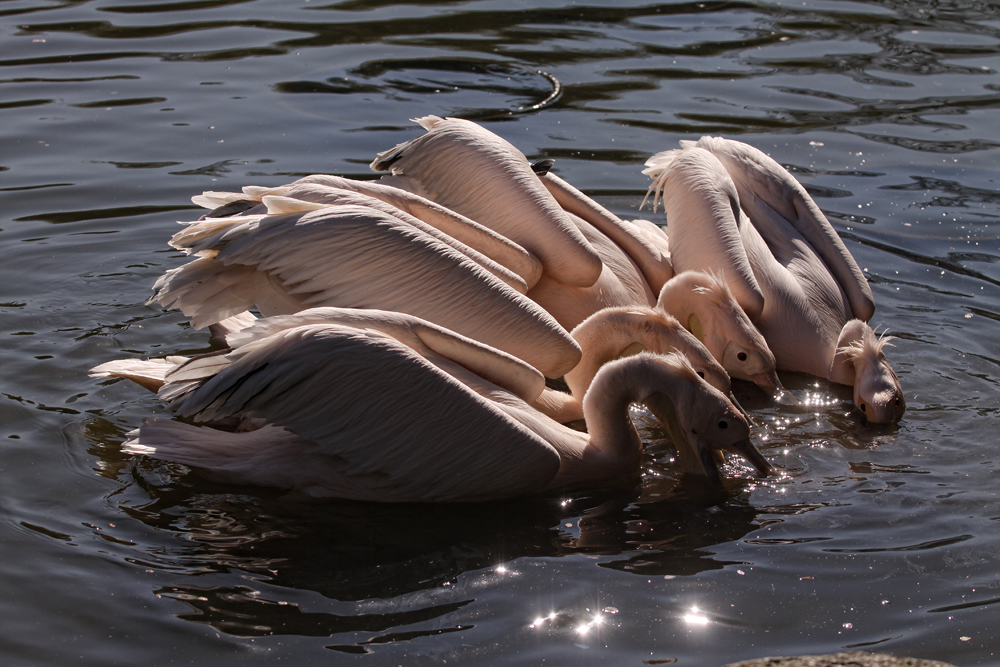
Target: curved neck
(614, 449)
(613, 333)
(678, 298)
(685, 298)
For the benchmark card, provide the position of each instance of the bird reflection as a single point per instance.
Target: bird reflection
(383, 558)
(391, 571)
(240, 611)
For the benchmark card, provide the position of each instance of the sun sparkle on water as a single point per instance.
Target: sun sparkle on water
(695, 617)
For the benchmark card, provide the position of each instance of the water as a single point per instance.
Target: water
(115, 112)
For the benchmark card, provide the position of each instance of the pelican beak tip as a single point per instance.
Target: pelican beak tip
(749, 451)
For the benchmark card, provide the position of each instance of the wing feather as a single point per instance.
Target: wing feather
(375, 409)
(427, 338)
(766, 188)
(360, 257)
(470, 237)
(468, 169)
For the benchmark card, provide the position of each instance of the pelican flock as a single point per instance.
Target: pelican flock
(405, 328)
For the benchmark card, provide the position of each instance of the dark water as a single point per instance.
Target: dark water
(113, 113)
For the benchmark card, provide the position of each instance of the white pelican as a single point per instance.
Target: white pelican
(371, 405)
(732, 209)
(613, 333)
(299, 254)
(704, 303)
(590, 258)
(472, 171)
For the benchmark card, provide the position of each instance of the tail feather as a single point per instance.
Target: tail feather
(148, 373)
(265, 456)
(243, 458)
(207, 291)
(231, 325)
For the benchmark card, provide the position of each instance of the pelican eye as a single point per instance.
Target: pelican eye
(723, 424)
(742, 356)
(701, 374)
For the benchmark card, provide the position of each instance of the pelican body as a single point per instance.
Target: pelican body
(733, 210)
(371, 405)
(299, 252)
(590, 259)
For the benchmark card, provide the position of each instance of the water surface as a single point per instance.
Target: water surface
(113, 113)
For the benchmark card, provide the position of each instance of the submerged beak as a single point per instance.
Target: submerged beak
(711, 459)
(697, 454)
(878, 394)
(769, 382)
(709, 465)
(749, 451)
(694, 455)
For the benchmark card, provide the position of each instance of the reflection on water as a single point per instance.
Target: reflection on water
(116, 112)
(242, 612)
(420, 560)
(407, 555)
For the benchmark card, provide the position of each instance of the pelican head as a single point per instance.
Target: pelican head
(707, 308)
(704, 424)
(752, 362)
(877, 391)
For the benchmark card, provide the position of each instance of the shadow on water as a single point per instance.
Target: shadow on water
(881, 109)
(399, 564)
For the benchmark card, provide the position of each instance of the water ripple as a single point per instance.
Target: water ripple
(920, 546)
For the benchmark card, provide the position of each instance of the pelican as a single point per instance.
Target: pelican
(613, 333)
(295, 254)
(590, 258)
(443, 223)
(704, 303)
(381, 406)
(732, 209)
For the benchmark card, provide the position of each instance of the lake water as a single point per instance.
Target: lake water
(114, 112)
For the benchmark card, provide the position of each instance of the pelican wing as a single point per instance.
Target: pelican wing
(210, 292)
(651, 257)
(360, 257)
(468, 169)
(451, 224)
(500, 368)
(770, 196)
(148, 373)
(314, 193)
(703, 220)
(375, 411)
